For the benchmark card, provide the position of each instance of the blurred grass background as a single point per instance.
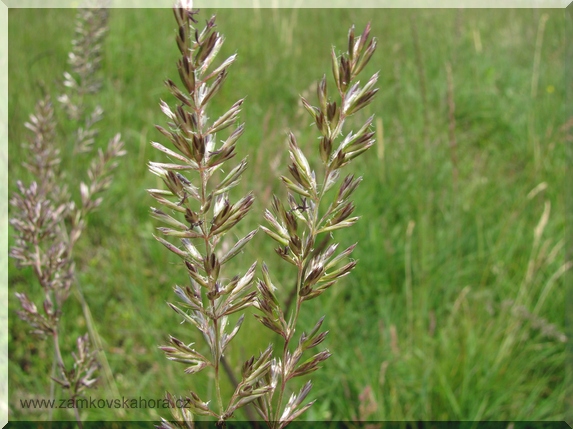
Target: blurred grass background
(456, 311)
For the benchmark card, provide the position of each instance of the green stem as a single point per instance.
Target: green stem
(286, 345)
(57, 363)
(52, 386)
(212, 284)
(77, 414)
(59, 359)
(97, 344)
(217, 364)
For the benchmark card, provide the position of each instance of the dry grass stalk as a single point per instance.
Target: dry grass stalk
(537, 234)
(452, 127)
(203, 214)
(543, 327)
(408, 282)
(48, 222)
(421, 77)
(537, 55)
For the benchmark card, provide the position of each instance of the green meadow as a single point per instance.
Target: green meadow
(457, 307)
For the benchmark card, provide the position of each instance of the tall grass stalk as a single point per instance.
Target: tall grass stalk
(534, 88)
(421, 79)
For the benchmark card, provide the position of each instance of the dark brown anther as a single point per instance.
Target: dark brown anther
(293, 169)
(322, 94)
(212, 266)
(180, 113)
(191, 14)
(215, 293)
(185, 63)
(325, 148)
(198, 147)
(351, 43)
(222, 215)
(182, 39)
(282, 251)
(193, 121)
(344, 213)
(345, 73)
(248, 367)
(190, 267)
(331, 111)
(295, 244)
(183, 179)
(314, 276)
(208, 47)
(321, 123)
(291, 223)
(181, 144)
(183, 75)
(192, 218)
(177, 93)
(173, 183)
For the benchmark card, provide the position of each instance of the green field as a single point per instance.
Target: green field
(456, 309)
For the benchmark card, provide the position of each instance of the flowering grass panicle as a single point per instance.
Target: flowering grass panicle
(303, 229)
(47, 220)
(203, 213)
